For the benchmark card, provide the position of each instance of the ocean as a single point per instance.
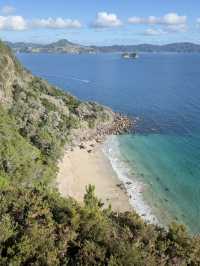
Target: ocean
(162, 156)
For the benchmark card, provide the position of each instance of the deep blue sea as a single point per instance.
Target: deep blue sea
(163, 90)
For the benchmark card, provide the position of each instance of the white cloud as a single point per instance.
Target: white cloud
(57, 23)
(15, 23)
(174, 19)
(18, 23)
(169, 23)
(106, 20)
(151, 20)
(166, 30)
(198, 21)
(7, 10)
(153, 32)
(176, 28)
(168, 19)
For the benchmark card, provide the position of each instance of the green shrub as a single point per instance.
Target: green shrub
(38, 227)
(20, 161)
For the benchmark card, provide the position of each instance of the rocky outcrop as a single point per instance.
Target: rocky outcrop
(116, 124)
(49, 117)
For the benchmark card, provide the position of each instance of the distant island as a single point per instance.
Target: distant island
(129, 55)
(61, 46)
(65, 46)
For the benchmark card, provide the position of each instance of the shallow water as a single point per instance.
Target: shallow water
(170, 167)
(163, 90)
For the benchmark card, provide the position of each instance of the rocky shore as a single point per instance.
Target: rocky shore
(119, 124)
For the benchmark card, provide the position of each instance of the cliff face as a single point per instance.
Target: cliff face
(10, 70)
(42, 115)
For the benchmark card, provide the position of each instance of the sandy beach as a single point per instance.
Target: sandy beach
(83, 166)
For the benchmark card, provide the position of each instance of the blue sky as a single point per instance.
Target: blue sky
(100, 21)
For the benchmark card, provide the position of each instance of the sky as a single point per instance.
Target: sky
(100, 22)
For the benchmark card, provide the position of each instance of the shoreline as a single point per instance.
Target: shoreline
(87, 164)
(129, 181)
(94, 158)
(99, 164)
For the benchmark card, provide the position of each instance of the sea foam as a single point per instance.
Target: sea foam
(133, 186)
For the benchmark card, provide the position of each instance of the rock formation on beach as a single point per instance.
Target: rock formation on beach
(45, 119)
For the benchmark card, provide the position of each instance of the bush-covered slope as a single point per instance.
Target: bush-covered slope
(37, 120)
(20, 161)
(38, 227)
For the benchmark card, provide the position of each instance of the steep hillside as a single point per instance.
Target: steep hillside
(37, 225)
(41, 118)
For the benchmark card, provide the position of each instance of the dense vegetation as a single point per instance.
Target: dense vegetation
(36, 121)
(37, 225)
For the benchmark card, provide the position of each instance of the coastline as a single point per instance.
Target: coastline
(95, 158)
(99, 164)
(89, 165)
(129, 180)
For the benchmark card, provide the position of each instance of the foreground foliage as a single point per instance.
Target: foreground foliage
(38, 227)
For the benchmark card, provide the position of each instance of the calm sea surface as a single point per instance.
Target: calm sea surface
(163, 90)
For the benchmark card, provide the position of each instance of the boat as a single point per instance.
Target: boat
(130, 55)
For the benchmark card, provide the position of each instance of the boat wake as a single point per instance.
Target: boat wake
(66, 78)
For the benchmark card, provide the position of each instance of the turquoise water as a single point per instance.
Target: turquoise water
(170, 166)
(163, 90)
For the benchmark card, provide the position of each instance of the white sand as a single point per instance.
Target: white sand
(80, 168)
